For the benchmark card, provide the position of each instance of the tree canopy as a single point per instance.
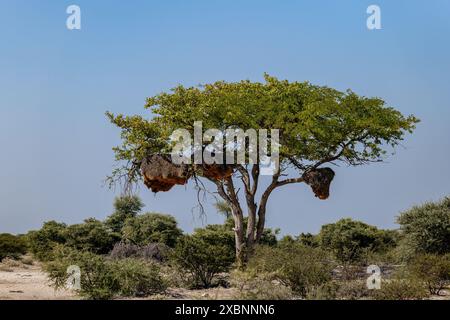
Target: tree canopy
(317, 125)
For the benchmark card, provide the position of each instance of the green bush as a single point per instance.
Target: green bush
(308, 239)
(97, 281)
(352, 241)
(11, 246)
(299, 267)
(426, 228)
(102, 278)
(151, 228)
(400, 289)
(204, 254)
(433, 270)
(125, 207)
(42, 241)
(92, 235)
(137, 278)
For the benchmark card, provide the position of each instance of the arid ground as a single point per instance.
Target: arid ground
(19, 281)
(27, 281)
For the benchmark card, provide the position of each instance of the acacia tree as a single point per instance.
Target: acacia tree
(317, 126)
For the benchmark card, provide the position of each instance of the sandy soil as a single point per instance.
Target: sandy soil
(20, 281)
(28, 282)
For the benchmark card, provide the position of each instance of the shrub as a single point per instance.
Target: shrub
(125, 207)
(426, 228)
(96, 279)
(204, 254)
(308, 239)
(153, 251)
(400, 289)
(11, 246)
(151, 228)
(433, 270)
(299, 267)
(42, 242)
(104, 279)
(286, 241)
(26, 260)
(92, 235)
(136, 277)
(351, 241)
(251, 286)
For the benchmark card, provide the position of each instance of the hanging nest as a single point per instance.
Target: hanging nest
(160, 174)
(319, 180)
(215, 171)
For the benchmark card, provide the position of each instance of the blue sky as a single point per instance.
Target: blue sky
(56, 84)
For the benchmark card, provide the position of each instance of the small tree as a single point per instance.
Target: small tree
(317, 126)
(11, 246)
(151, 228)
(124, 207)
(92, 235)
(426, 228)
(42, 241)
(351, 241)
(434, 270)
(204, 254)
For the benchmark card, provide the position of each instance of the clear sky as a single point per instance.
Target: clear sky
(56, 84)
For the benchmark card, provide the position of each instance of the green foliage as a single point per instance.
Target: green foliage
(426, 228)
(400, 289)
(317, 124)
(286, 241)
(151, 228)
(433, 270)
(223, 208)
(42, 241)
(137, 278)
(204, 254)
(299, 267)
(11, 246)
(124, 207)
(352, 241)
(102, 278)
(92, 235)
(305, 239)
(308, 239)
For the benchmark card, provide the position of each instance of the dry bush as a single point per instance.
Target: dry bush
(154, 251)
(433, 270)
(263, 286)
(296, 266)
(27, 260)
(9, 263)
(400, 289)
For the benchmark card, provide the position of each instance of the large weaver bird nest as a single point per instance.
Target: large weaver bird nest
(160, 174)
(319, 180)
(215, 171)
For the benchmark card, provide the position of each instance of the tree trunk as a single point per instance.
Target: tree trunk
(238, 218)
(246, 240)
